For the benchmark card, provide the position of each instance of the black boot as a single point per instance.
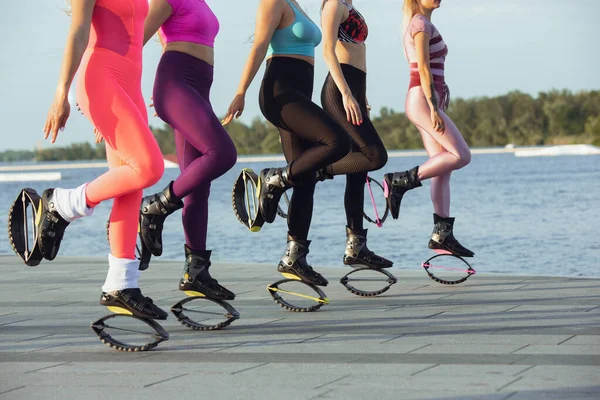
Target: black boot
(49, 226)
(134, 301)
(153, 212)
(442, 237)
(272, 182)
(358, 254)
(397, 184)
(294, 263)
(196, 277)
(322, 175)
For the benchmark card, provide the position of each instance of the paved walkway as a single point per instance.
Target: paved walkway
(493, 337)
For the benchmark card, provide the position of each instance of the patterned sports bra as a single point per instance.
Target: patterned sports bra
(354, 29)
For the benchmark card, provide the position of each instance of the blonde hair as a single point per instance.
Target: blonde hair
(68, 10)
(409, 9)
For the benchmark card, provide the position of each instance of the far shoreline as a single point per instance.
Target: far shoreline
(171, 159)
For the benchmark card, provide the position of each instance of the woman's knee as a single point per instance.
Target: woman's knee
(150, 171)
(224, 156)
(340, 144)
(378, 157)
(464, 158)
(228, 156)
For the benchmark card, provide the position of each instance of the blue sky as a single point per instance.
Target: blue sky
(494, 47)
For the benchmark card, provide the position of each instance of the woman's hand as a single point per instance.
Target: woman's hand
(437, 121)
(353, 113)
(236, 108)
(99, 137)
(57, 116)
(151, 105)
(97, 133)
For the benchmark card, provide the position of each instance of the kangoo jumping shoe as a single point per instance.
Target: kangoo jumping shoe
(132, 301)
(322, 175)
(50, 226)
(442, 238)
(272, 183)
(196, 279)
(293, 264)
(358, 254)
(398, 183)
(153, 212)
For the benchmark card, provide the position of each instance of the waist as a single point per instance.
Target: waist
(415, 80)
(133, 55)
(287, 73)
(198, 51)
(109, 59)
(353, 75)
(306, 59)
(304, 51)
(432, 66)
(289, 69)
(193, 38)
(352, 54)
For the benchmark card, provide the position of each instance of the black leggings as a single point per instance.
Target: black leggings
(311, 139)
(368, 152)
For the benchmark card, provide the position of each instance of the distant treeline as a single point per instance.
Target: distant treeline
(555, 117)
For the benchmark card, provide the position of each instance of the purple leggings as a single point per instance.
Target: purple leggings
(204, 149)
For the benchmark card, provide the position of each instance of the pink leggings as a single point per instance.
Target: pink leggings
(447, 150)
(109, 94)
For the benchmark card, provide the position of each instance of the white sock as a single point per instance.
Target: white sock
(123, 273)
(71, 204)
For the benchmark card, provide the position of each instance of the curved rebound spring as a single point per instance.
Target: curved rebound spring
(377, 221)
(244, 200)
(274, 290)
(280, 212)
(390, 280)
(142, 253)
(179, 309)
(429, 268)
(19, 228)
(99, 326)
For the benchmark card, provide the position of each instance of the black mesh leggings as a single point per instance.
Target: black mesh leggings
(368, 152)
(311, 139)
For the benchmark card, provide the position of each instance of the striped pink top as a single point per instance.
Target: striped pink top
(437, 48)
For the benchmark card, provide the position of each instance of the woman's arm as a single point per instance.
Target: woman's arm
(422, 48)
(331, 17)
(159, 12)
(77, 41)
(427, 84)
(267, 19)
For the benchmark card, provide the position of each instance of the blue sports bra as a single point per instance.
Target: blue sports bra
(300, 38)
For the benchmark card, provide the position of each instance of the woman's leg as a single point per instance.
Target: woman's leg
(135, 162)
(196, 276)
(285, 100)
(181, 99)
(328, 143)
(440, 185)
(455, 152)
(367, 154)
(300, 211)
(448, 151)
(301, 202)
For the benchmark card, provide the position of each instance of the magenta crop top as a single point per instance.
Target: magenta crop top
(191, 21)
